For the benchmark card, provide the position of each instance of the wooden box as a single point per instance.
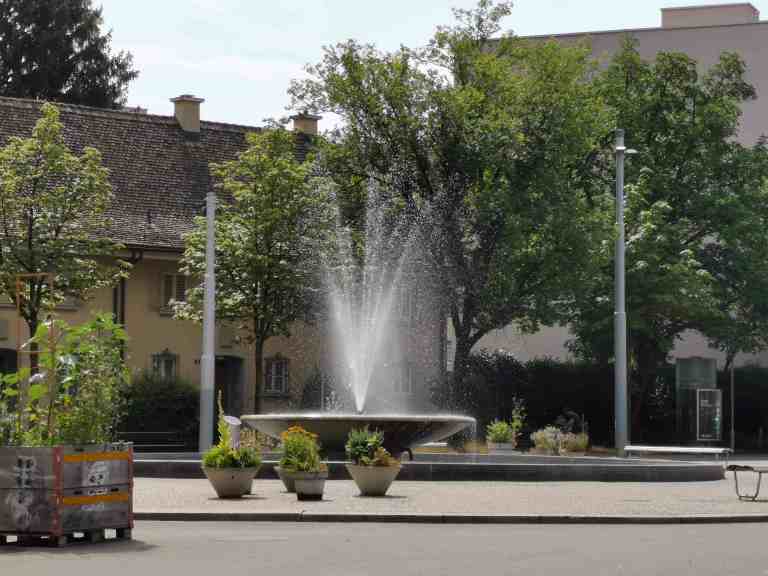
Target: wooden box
(60, 490)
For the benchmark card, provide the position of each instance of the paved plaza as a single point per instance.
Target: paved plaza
(422, 500)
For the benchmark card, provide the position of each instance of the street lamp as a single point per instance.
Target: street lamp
(208, 358)
(620, 313)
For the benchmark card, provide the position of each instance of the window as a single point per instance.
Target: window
(276, 376)
(404, 377)
(408, 304)
(174, 288)
(164, 365)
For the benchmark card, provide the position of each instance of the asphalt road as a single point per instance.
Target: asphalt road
(283, 549)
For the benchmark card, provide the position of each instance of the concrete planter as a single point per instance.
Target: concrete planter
(231, 482)
(309, 485)
(501, 447)
(373, 480)
(287, 478)
(53, 492)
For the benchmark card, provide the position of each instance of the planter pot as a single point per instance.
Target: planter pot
(287, 478)
(58, 490)
(373, 480)
(231, 482)
(309, 485)
(501, 447)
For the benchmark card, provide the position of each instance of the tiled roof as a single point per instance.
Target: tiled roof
(159, 174)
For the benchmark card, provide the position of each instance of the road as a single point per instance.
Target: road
(283, 549)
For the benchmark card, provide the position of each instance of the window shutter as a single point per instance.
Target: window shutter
(285, 375)
(167, 289)
(181, 288)
(268, 375)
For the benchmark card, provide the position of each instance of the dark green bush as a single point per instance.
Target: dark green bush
(153, 404)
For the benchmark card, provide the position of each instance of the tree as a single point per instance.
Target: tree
(696, 211)
(270, 231)
(52, 220)
(54, 50)
(490, 144)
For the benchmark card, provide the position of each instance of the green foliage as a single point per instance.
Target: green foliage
(223, 455)
(53, 203)
(154, 404)
(366, 448)
(696, 211)
(490, 145)
(548, 440)
(301, 451)
(271, 226)
(575, 442)
(52, 50)
(76, 398)
(500, 431)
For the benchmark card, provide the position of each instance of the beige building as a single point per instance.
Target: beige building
(702, 32)
(159, 171)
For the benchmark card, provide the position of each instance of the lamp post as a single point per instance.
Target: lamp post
(620, 313)
(208, 358)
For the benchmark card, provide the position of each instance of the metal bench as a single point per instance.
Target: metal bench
(759, 470)
(690, 450)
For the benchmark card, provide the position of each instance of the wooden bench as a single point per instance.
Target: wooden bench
(759, 470)
(689, 450)
(154, 441)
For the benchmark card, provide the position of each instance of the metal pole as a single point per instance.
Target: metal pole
(620, 316)
(207, 360)
(733, 408)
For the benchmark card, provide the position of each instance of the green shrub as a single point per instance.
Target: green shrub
(154, 404)
(301, 451)
(500, 431)
(366, 448)
(547, 440)
(76, 397)
(575, 442)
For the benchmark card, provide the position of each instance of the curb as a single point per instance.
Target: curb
(442, 518)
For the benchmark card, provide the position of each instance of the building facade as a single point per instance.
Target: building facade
(159, 171)
(703, 33)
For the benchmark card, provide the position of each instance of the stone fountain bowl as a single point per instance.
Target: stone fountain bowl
(401, 431)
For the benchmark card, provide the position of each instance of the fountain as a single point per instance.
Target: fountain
(367, 298)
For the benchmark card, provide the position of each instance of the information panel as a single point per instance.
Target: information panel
(709, 411)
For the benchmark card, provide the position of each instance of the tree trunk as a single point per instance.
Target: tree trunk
(34, 360)
(258, 375)
(647, 360)
(460, 368)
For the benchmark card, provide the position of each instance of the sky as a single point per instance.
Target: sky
(240, 55)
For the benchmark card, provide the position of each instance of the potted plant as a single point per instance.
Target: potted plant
(59, 467)
(576, 444)
(229, 466)
(301, 469)
(502, 436)
(373, 468)
(548, 440)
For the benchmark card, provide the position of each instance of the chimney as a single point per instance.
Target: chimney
(186, 109)
(305, 123)
(718, 15)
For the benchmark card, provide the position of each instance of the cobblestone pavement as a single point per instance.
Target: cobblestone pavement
(462, 498)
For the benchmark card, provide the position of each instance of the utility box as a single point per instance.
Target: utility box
(699, 413)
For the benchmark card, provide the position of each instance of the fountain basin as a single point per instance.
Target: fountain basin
(401, 431)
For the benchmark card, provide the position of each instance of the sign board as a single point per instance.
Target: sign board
(696, 372)
(709, 414)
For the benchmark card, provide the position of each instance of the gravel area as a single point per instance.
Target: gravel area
(480, 498)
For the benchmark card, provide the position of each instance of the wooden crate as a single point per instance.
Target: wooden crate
(62, 490)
